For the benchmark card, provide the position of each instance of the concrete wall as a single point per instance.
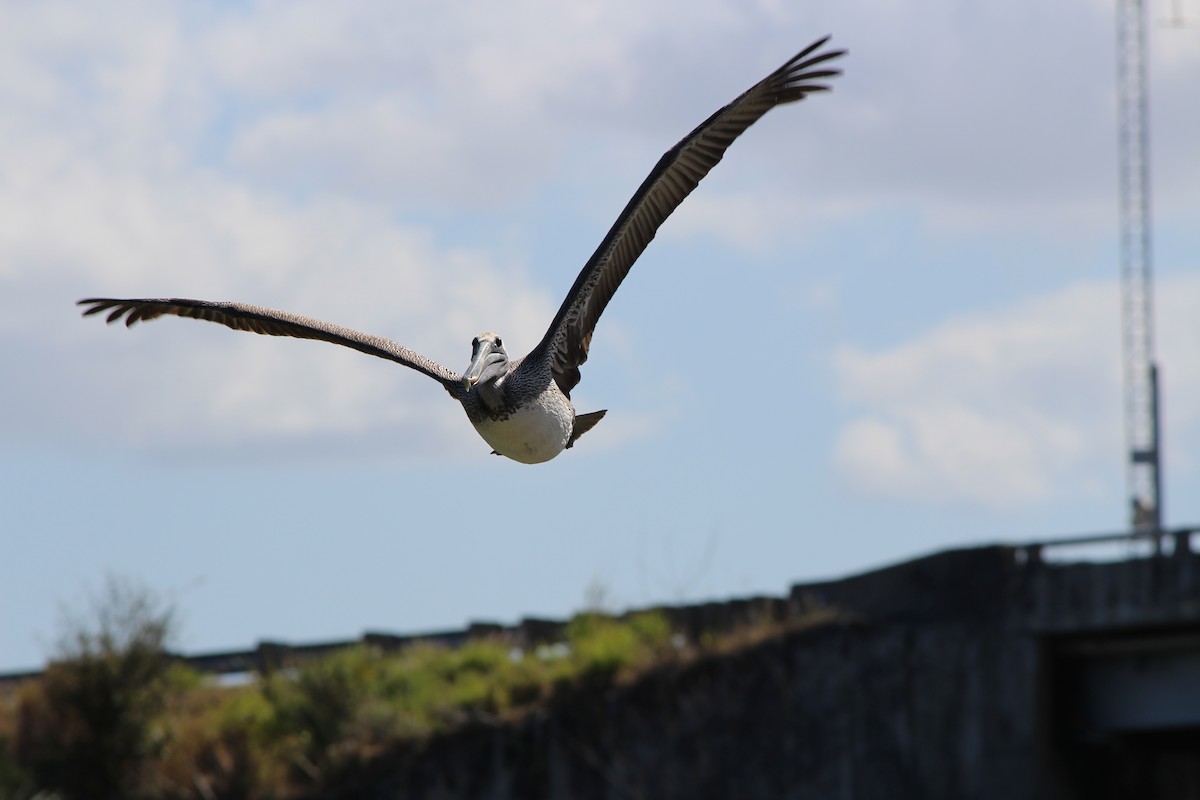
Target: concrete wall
(942, 679)
(847, 711)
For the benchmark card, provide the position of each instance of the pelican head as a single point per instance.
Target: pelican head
(489, 361)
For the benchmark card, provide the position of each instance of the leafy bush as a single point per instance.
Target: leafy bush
(15, 781)
(216, 745)
(91, 725)
(345, 706)
(318, 710)
(601, 646)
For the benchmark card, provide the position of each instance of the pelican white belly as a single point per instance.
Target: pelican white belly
(535, 432)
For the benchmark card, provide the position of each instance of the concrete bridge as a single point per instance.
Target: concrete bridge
(1058, 669)
(1050, 675)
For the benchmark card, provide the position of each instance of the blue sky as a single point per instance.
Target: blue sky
(886, 323)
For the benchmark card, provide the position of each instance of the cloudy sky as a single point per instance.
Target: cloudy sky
(887, 323)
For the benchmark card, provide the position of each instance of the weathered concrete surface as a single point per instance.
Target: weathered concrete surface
(1138, 593)
(1012, 586)
(851, 710)
(944, 678)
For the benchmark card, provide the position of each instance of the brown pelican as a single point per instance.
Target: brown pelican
(522, 407)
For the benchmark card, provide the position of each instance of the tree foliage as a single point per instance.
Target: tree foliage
(91, 725)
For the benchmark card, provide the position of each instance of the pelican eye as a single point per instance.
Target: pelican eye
(474, 343)
(498, 342)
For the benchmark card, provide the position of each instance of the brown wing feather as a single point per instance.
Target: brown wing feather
(270, 322)
(674, 177)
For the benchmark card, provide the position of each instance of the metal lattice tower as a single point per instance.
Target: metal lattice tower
(1137, 310)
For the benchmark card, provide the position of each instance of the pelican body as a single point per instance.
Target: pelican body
(532, 431)
(522, 408)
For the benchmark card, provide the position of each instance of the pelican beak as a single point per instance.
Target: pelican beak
(478, 365)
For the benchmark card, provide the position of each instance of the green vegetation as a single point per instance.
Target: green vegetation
(87, 728)
(113, 717)
(353, 704)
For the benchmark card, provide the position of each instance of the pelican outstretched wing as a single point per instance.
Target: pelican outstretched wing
(269, 322)
(674, 177)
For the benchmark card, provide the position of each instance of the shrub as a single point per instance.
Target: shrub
(602, 646)
(214, 745)
(15, 781)
(90, 726)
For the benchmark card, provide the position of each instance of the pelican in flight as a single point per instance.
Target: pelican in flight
(522, 407)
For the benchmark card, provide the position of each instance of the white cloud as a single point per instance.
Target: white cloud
(755, 221)
(86, 225)
(160, 153)
(181, 384)
(266, 151)
(1010, 407)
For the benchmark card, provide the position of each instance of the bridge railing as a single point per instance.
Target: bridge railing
(1110, 546)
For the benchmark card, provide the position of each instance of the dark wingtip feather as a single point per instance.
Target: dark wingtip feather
(823, 73)
(98, 305)
(814, 46)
